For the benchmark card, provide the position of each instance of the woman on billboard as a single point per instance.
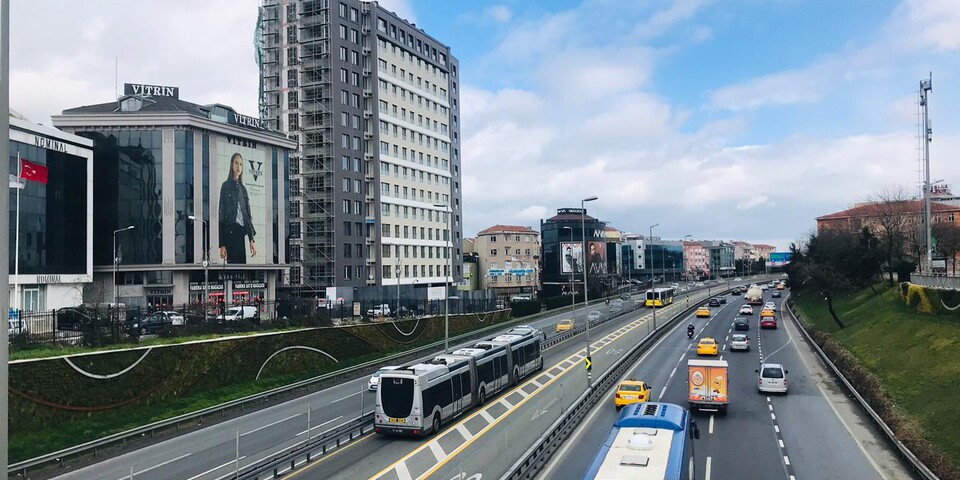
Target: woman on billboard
(236, 223)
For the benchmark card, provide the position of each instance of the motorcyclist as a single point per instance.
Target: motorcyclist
(690, 329)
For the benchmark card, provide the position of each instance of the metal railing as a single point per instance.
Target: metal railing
(905, 452)
(943, 282)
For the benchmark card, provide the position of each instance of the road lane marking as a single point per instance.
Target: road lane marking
(773, 416)
(402, 472)
(486, 415)
(437, 451)
(161, 464)
(320, 425)
(770, 407)
(776, 428)
(780, 440)
(724, 347)
(706, 471)
(348, 396)
(711, 424)
(271, 424)
(786, 460)
(195, 477)
(466, 433)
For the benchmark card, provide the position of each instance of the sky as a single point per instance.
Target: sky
(724, 120)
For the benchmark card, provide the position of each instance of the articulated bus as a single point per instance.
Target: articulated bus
(417, 399)
(660, 297)
(648, 441)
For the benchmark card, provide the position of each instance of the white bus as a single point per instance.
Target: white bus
(417, 399)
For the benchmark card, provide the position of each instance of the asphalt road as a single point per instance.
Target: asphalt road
(213, 451)
(812, 432)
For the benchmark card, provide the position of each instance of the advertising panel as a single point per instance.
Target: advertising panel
(598, 258)
(571, 257)
(242, 206)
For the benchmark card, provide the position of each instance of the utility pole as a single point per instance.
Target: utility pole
(926, 86)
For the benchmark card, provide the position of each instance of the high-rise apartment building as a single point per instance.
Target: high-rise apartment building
(373, 102)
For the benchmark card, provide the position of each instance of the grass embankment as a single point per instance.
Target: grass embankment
(916, 356)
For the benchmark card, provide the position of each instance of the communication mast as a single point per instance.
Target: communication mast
(926, 86)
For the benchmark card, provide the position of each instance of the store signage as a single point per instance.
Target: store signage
(50, 144)
(250, 285)
(48, 279)
(243, 142)
(571, 211)
(246, 121)
(150, 90)
(198, 287)
(160, 291)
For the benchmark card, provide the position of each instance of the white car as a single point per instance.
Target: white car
(746, 310)
(382, 310)
(739, 341)
(594, 315)
(770, 306)
(375, 378)
(772, 378)
(699, 284)
(737, 279)
(175, 318)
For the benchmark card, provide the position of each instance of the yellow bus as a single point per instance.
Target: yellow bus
(659, 297)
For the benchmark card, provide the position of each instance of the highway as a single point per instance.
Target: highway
(812, 432)
(213, 451)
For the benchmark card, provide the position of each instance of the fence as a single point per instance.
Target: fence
(936, 281)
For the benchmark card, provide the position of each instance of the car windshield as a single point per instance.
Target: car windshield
(772, 372)
(739, 338)
(629, 388)
(706, 341)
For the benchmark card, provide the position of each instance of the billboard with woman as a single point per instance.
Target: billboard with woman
(242, 207)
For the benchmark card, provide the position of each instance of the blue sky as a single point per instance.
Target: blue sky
(733, 119)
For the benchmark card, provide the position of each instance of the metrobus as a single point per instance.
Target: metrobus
(416, 399)
(648, 441)
(660, 297)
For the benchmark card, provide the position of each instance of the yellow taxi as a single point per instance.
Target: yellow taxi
(781, 286)
(703, 311)
(631, 391)
(564, 325)
(707, 346)
(768, 312)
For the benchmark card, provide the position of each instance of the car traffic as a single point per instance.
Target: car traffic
(703, 311)
(631, 391)
(772, 378)
(707, 346)
(746, 310)
(564, 325)
(739, 341)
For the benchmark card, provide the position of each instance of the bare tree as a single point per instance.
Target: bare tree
(892, 214)
(947, 235)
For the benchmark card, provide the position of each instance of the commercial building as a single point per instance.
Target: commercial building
(563, 261)
(697, 259)
(721, 255)
(188, 198)
(509, 260)
(373, 102)
(51, 250)
(645, 258)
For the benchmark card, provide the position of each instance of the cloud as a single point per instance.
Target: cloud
(751, 202)
(808, 85)
(927, 24)
(533, 212)
(668, 17)
(499, 13)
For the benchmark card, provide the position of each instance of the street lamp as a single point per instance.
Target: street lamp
(446, 292)
(116, 264)
(573, 294)
(206, 263)
(397, 316)
(653, 281)
(586, 294)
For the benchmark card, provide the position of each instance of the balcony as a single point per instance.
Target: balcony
(371, 240)
(367, 114)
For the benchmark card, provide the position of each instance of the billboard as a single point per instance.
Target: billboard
(598, 258)
(779, 259)
(571, 257)
(240, 184)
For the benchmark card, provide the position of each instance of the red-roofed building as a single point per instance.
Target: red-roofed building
(866, 215)
(509, 260)
(763, 250)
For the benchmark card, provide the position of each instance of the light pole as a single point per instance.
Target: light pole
(653, 280)
(397, 316)
(586, 294)
(446, 292)
(206, 263)
(116, 264)
(573, 293)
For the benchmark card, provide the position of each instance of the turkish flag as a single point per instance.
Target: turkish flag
(33, 171)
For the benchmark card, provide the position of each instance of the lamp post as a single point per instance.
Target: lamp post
(446, 292)
(573, 293)
(116, 263)
(653, 280)
(206, 263)
(397, 316)
(586, 294)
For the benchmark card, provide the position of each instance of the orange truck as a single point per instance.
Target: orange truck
(707, 383)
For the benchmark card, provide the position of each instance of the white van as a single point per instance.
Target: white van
(246, 312)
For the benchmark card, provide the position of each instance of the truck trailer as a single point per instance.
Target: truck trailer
(707, 385)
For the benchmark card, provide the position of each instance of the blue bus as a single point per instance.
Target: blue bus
(648, 441)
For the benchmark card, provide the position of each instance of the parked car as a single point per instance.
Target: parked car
(624, 296)
(739, 341)
(631, 391)
(741, 323)
(772, 378)
(175, 318)
(707, 346)
(374, 380)
(382, 310)
(245, 312)
(154, 323)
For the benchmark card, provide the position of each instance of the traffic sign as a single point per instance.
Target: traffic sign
(589, 362)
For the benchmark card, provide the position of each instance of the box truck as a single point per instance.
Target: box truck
(707, 385)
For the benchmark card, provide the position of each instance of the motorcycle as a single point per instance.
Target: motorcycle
(689, 333)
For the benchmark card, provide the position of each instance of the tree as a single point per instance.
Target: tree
(892, 220)
(947, 235)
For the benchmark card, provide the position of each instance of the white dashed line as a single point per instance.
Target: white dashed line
(437, 450)
(773, 416)
(776, 428)
(724, 347)
(770, 407)
(710, 430)
(463, 430)
(706, 471)
(786, 460)
(781, 442)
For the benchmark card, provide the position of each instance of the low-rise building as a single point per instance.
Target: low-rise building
(508, 260)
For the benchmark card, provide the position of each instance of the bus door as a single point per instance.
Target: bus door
(459, 392)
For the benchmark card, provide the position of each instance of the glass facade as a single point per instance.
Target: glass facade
(127, 191)
(53, 234)
(183, 188)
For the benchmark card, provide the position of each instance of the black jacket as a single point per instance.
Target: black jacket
(229, 192)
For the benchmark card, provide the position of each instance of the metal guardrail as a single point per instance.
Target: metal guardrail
(95, 446)
(531, 461)
(942, 282)
(905, 452)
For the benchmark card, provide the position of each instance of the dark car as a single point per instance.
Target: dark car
(741, 323)
(153, 323)
(723, 300)
(714, 302)
(735, 292)
(776, 294)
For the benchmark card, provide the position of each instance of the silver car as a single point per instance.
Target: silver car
(772, 378)
(739, 341)
(375, 378)
(595, 315)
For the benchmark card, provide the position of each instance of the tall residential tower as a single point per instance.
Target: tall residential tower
(372, 101)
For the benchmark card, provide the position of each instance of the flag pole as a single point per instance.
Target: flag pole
(16, 250)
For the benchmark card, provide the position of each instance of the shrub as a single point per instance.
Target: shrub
(917, 297)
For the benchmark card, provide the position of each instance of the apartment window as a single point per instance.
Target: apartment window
(346, 206)
(344, 140)
(347, 250)
(357, 207)
(343, 32)
(356, 143)
(292, 34)
(385, 230)
(354, 35)
(354, 14)
(356, 102)
(493, 252)
(355, 57)
(355, 79)
(346, 185)
(343, 54)
(345, 99)
(357, 187)
(356, 165)
(346, 272)
(385, 210)
(406, 232)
